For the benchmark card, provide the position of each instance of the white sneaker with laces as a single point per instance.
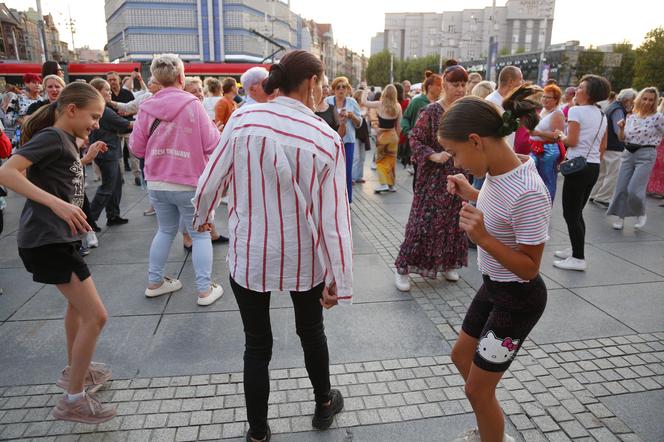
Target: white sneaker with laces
(402, 282)
(640, 222)
(471, 435)
(618, 225)
(216, 293)
(391, 189)
(571, 263)
(452, 275)
(91, 240)
(168, 286)
(381, 188)
(563, 254)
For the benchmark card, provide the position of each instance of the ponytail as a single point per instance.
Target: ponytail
(77, 93)
(293, 69)
(521, 107)
(44, 117)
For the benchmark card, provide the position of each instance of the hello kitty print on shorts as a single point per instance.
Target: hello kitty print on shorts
(496, 350)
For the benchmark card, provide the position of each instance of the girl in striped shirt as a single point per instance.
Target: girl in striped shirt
(510, 226)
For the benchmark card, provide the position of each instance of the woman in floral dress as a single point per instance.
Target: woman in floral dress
(433, 241)
(656, 183)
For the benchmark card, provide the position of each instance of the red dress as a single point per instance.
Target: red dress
(656, 182)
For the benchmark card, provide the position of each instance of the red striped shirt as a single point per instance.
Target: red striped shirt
(297, 162)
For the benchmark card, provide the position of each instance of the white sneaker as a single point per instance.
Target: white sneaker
(373, 165)
(169, 285)
(563, 254)
(452, 275)
(618, 225)
(391, 189)
(507, 438)
(402, 282)
(224, 200)
(640, 222)
(91, 240)
(410, 169)
(571, 263)
(381, 188)
(216, 293)
(472, 435)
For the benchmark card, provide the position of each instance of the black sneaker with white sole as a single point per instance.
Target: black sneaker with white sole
(324, 415)
(266, 438)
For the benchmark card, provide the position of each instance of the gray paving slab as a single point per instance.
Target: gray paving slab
(17, 289)
(34, 351)
(9, 257)
(213, 342)
(121, 287)
(637, 305)
(361, 246)
(603, 269)
(649, 255)
(440, 429)
(642, 412)
(399, 211)
(569, 317)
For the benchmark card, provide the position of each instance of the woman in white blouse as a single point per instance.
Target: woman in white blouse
(642, 132)
(289, 224)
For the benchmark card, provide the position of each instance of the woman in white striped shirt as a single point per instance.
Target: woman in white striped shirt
(510, 226)
(289, 226)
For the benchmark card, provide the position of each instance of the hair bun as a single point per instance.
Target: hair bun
(451, 62)
(509, 124)
(428, 73)
(275, 79)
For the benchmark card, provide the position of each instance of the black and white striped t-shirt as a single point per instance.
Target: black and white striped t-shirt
(517, 210)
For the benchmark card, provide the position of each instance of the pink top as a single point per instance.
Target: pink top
(178, 149)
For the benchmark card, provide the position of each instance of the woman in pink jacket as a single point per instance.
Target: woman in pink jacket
(175, 136)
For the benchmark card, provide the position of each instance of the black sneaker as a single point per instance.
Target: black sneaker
(95, 227)
(324, 415)
(116, 221)
(137, 181)
(221, 239)
(83, 251)
(266, 438)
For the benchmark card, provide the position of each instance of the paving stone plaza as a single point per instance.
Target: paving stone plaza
(593, 368)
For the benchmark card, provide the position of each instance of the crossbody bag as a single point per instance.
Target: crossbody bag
(579, 164)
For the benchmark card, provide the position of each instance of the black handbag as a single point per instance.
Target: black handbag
(578, 164)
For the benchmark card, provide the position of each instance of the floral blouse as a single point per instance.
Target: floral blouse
(646, 131)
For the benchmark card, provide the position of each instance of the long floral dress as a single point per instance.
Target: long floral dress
(433, 242)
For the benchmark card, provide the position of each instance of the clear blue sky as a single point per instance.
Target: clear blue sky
(355, 22)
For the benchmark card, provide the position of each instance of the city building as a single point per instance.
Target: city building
(12, 39)
(201, 30)
(85, 54)
(519, 26)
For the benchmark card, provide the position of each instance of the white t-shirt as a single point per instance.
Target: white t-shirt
(497, 99)
(593, 125)
(545, 124)
(517, 210)
(208, 104)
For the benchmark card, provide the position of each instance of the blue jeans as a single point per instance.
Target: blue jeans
(358, 160)
(350, 149)
(170, 207)
(547, 167)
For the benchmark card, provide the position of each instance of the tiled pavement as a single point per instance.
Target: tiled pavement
(593, 370)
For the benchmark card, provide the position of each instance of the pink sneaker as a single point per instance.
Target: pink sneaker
(87, 410)
(98, 374)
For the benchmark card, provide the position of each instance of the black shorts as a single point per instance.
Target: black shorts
(500, 317)
(54, 263)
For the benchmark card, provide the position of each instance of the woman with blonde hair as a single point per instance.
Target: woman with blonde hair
(52, 85)
(387, 138)
(642, 132)
(213, 86)
(483, 89)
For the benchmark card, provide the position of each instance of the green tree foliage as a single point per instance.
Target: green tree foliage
(412, 69)
(622, 77)
(648, 69)
(590, 62)
(378, 69)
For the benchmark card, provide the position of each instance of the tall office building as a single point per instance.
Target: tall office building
(201, 30)
(519, 26)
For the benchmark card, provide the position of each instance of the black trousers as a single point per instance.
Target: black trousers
(255, 312)
(576, 191)
(109, 193)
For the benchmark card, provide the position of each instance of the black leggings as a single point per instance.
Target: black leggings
(576, 190)
(255, 312)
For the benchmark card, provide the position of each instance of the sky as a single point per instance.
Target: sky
(354, 22)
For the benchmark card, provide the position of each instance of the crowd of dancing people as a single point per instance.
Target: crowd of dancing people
(283, 155)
